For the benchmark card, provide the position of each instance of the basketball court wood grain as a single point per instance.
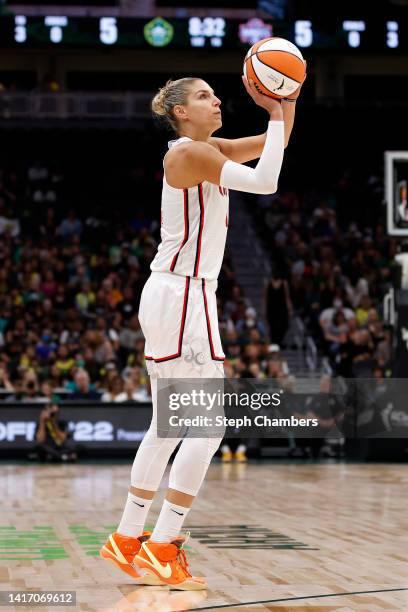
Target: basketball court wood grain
(267, 537)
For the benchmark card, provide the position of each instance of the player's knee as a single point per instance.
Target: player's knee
(214, 445)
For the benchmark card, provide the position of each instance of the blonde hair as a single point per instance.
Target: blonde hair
(173, 93)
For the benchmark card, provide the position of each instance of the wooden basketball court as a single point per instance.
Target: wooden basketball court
(270, 536)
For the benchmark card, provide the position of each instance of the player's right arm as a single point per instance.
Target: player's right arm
(191, 163)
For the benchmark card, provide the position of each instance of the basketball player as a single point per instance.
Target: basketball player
(178, 308)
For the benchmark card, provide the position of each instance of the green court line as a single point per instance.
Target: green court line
(41, 543)
(267, 601)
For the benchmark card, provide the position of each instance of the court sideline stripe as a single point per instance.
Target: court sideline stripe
(266, 601)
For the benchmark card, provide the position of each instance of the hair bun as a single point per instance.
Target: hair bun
(159, 100)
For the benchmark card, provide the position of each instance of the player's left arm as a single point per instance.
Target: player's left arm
(242, 150)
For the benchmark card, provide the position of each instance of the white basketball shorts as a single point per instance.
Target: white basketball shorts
(179, 319)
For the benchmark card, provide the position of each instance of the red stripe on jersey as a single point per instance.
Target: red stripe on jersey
(182, 325)
(207, 318)
(186, 230)
(200, 230)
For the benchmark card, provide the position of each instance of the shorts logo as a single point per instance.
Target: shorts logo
(198, 358)
(196, 353)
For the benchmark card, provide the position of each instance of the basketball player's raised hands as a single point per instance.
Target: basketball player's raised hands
(262, 100)
(271, 105)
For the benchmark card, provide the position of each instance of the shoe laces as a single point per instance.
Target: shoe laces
(181, 556)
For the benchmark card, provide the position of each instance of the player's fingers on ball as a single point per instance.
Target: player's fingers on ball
(252, 87)
(246, 84)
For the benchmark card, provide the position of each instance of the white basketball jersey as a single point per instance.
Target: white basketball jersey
(194, 225)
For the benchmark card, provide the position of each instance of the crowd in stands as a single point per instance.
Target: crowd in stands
(71, 280)
(69, 295)
(332, 272)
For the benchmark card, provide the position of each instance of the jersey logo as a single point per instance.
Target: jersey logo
(223, 190)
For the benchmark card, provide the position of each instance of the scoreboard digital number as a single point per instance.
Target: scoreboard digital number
(199, 32)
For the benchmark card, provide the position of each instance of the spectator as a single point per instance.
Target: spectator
(9, 226)
(127, 306)
(363, 310)
(133, 390)
(130, 334)
(249, 323)
(383, 352)
(336, 333)
(115, 389)
(85, 298)
(327, 315)
(279, 307)
(70, 226)
(47, 393)
(52, 437)
(5, 384)
(83, 390)
(109, 334)
(102, 347)
(64, 362)
(276, 365)
(30, 388)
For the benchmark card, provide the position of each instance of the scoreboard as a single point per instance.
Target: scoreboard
(372, 34)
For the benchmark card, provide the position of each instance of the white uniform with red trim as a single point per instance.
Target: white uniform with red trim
(178, 307)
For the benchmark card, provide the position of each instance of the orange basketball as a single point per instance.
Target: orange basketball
(276, 66)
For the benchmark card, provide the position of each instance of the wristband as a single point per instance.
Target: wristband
(289, 99)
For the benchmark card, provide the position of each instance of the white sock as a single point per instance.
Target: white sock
(241, 448)
(134, 516)
(169, 523)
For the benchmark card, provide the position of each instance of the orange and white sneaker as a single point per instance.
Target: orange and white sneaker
(120, 550)
(165, 563)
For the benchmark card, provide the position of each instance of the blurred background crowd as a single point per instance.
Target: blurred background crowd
(73, 270)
